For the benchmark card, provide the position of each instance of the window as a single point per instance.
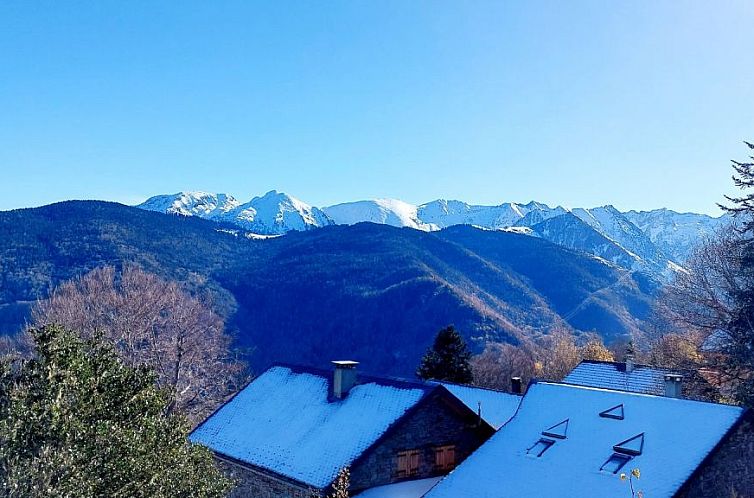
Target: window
(632, 446)
(558, 430)
(540, 447)
(615, 412)
(408, 463)
(445, 457)
(615, 463)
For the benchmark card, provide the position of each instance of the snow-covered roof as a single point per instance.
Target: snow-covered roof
(405, 489)
(613, 375)
(585, 427)
(287, 422)
(497, 406)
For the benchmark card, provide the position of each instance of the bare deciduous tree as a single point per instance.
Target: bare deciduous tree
(499, 362)
(152, 321)
(552, 357)
(702, 297)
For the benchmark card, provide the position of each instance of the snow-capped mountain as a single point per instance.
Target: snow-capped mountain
(614, 225)
(202, 204)
(654, 241)
(274, 213)
(572, 232)
(676, 234)
(384, 211)
(444, 213)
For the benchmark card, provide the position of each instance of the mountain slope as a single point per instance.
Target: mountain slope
(675, 233)
(367, 291)
(652, 241)
(383, 211)
(570, 231)
(274, 213)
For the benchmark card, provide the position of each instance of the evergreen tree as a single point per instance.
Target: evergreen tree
(447, 359)
(76, 421)
(737, 345)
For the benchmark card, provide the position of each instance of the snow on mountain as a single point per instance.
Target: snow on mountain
(444, 213)
(384, 211)
(570, 231)
(675, 233)
(614, 225)
(274, 213)
(657, 240)
(202, 204)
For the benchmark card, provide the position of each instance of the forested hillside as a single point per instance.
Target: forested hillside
(370, 292)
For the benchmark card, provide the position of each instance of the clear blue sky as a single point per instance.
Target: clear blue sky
(638, 104)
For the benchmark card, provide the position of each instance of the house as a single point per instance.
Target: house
(626, 376)
(568, 440)
(289, 432)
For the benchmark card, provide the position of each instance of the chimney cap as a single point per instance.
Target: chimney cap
(674, 377)
(345, 363)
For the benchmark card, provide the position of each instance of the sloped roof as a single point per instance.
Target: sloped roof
(613, 375)
(286, 421)
(675, 435)
(405, 489)
(497, 406)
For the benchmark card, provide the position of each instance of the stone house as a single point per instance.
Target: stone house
(289, 431)
(571, 440)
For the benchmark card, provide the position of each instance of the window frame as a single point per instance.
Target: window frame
(413, 455)
(547, 444)
(442, 462)
(620, 457)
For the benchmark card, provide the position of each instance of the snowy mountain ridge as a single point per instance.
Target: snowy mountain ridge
(657, 240)
(274, 213)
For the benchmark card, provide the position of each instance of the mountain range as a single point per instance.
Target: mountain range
(657, 241)
(366, 291)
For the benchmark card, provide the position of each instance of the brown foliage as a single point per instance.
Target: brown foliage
(154, 322)
(499, 362)
(550, 358)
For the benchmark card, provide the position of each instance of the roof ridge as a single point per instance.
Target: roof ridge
(472, 386)
(634, 393)
(636, 365)
(362, 377)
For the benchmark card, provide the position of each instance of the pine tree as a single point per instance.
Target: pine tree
(447, 359)
(738, 342)
(76, 421)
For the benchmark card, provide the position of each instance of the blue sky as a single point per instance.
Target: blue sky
(638, 104)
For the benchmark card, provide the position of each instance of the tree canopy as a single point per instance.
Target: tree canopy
(447, 359)
(76, 421)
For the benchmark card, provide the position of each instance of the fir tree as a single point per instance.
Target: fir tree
(447, 359)
(738, 341)
(76, 421)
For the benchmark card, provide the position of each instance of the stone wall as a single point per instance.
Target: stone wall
(729, 472)
(435, 423)
(251, 483)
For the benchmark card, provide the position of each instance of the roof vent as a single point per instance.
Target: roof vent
(344, 377)
(558, 430)
(615, 412)
(673, 385)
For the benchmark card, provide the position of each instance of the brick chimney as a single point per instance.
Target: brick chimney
(516, 385)
(673, 384)
(344, 377)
